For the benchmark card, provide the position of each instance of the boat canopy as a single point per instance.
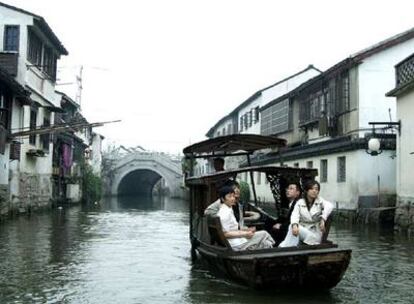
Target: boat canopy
(289, 173)
(229, 144)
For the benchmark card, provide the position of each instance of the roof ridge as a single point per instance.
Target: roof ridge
(19, 10)
(41, 23)
(366, 51)
(309, 67)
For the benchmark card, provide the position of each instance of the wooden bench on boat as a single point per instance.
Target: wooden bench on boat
(218, 238)
(216, 232)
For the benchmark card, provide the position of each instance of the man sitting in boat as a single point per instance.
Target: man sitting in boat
(218, 164)
(279, 228)
(214, 208)
(239, 213)
(307, 222)
(239, 239)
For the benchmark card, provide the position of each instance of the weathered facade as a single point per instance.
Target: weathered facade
(326, 123)
(12, 98)
(30, 51)
(95, 153)
(68, 153)
(246, 117)
(404, 92)
(45, 135)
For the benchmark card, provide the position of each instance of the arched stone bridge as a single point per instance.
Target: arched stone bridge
(138, 173)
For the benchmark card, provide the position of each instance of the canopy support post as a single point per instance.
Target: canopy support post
(252, 180)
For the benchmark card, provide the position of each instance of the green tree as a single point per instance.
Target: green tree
(244, 192)
(187, 164)
(91, 185)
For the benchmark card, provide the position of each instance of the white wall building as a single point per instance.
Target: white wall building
(404, 91)
(12, 97)
(245, 118)
(29, 50)
(249, 115)
(95, 153)
(326, 122)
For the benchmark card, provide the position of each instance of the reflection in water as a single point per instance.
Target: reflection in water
(381, 271)
(135, 250)
(127, 203)
(224, 291)
(139, 202)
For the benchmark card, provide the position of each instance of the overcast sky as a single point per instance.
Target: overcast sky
(170, 69)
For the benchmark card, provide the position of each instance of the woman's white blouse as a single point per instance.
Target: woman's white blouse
(320, 209)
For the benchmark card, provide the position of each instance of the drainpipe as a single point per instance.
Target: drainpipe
(378, 190)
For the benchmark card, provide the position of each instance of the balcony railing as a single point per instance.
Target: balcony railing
(8, 62)
(405, 71)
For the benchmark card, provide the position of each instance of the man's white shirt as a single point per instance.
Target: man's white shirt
(229, 223)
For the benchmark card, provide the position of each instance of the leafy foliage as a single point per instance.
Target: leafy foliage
(244, 192)
(187, 164)
(91, 185)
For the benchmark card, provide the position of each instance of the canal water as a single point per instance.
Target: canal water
(137, 251)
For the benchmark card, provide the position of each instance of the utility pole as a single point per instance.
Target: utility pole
(78, 98)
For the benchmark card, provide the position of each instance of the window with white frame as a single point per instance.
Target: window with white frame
(41, 55)
(5, 108)
(256, 114)
(341, 170)
(45, 138)
(345, 91)
(324, 171)
(276, 118)
(229, 130)
(316, 105)
(34, 54)
(11, 38)
(32, 126)
(49, 62)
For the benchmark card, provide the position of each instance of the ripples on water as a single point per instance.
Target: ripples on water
(137, 251)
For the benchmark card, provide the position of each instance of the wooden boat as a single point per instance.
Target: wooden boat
(314, 267)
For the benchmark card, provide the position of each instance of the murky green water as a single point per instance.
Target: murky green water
(136, 251)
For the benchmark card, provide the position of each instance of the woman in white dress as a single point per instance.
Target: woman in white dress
(307, 222)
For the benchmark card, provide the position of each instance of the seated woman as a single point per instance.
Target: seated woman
(246, 238)
(307, 222)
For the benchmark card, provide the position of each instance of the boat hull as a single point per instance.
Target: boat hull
(272, 269)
